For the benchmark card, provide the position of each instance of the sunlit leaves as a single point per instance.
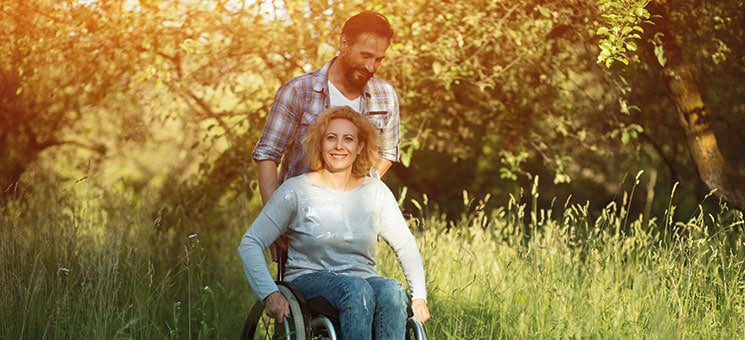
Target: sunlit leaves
(627, 133)
(512, 164)
(620, 29)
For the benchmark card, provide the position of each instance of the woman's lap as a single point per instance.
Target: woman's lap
(375, 304)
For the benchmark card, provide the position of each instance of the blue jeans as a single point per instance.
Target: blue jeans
(375, 306)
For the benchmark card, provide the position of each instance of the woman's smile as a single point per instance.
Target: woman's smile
(341, 145)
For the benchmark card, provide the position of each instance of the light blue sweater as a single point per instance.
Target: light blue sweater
(330, 230)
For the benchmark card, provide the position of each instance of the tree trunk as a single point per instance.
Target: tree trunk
(692, 115)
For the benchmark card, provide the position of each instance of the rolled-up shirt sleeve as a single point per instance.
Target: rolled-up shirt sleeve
(390, 136)
(280, 126)
(382, 108)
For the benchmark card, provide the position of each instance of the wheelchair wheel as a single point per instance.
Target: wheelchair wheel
(321, 328)
(415, 330)
(260, 326)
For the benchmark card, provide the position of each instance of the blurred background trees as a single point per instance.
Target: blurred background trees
(168, 97)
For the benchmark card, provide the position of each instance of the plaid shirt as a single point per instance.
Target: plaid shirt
(300, 100)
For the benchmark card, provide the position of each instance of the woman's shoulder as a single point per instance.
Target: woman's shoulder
(372, 181)
(293, 185)
(375, 184)
(295, 181)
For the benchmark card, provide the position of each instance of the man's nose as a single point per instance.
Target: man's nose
(371, 65)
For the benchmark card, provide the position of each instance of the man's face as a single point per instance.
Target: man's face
(361, 57)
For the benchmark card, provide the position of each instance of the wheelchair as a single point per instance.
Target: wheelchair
(309, 319)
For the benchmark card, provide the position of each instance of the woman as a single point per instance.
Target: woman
(333, 217)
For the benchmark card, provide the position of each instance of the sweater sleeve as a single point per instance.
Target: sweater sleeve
(273, 221)
(396, 233)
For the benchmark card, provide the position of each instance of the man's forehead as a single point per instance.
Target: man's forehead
(371, 41)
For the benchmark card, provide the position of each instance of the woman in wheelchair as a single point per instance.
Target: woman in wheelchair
(333, 217)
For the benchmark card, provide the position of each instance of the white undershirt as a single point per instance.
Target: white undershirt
(336, 98)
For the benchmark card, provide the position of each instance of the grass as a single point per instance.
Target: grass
(88, 263)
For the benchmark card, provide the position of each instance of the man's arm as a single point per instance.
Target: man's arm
(268, 179)
(383, 167)
(390, 133)
(268, 183)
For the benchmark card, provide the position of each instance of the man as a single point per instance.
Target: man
(345, 80)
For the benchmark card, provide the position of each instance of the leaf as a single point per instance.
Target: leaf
(544, 11)
(436, 68)
(659, 52)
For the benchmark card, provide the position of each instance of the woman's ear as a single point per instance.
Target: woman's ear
(362, 147)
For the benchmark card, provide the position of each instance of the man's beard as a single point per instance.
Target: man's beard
(357, 76)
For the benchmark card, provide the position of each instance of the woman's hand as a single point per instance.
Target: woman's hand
(421, 312)
(276, 306)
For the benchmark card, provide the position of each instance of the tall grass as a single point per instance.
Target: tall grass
(98, 264)
(609, 277)
(81, 262)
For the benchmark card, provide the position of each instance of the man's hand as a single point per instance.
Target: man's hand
(421, 312)
(276, 306)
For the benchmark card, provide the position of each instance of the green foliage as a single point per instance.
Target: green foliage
(172, 98)
(627, 133)
(620, 29)
(512, 164)
(488, 80)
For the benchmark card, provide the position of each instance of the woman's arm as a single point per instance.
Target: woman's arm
(273, 220)
(251, 250)
(403, 243)
(396, 233)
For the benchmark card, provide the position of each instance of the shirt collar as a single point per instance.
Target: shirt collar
(322, 77)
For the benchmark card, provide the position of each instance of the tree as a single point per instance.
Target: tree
(507, 91)
(134, 67)
(497, 92)
(664, 52)
(60, 58)
(693, 115)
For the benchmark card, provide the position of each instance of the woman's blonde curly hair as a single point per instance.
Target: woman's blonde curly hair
(367, 134)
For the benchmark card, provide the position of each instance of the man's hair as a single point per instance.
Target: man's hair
(367, 22)
(366, 133)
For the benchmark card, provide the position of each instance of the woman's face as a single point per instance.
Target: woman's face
(341, 145)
